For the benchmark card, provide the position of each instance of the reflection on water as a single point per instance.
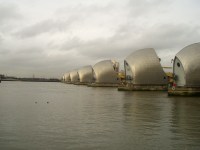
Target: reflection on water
(80, 117)
(186, 120)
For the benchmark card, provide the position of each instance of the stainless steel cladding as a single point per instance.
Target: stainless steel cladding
(86, 74)
(106, 72)
(67, 77)
(63, 78)
(186, 66)
(143, 67)
(74, 76)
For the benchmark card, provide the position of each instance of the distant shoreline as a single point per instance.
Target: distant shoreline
(32, 80)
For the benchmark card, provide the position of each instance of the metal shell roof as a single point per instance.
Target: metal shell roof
(86, 74)
(74, 76)
(104, 72)
(67, 77)
(190, 59)
(146, 68)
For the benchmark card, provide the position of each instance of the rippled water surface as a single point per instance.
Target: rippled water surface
(45, 116)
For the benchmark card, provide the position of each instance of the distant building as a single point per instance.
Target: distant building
(74, 76)
(85, 74)
(143, 67)
(186, 67)
(106, 72)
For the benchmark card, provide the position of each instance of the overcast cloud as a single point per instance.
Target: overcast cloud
(48, 38)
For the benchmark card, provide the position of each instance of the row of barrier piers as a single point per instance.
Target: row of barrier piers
(124, 86)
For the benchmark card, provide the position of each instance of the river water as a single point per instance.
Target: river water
(48, 116)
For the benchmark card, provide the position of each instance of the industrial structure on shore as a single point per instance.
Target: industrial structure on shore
(143, 72)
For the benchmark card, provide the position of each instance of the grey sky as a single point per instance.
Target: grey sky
(50, 37)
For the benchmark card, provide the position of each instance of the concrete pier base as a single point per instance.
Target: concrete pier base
(66, 82)
(184, 91)
(103, 85)
(132, 87)
(81, 83)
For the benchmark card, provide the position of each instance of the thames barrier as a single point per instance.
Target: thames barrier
(143, 72)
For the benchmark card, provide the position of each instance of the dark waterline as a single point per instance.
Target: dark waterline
(46, 116)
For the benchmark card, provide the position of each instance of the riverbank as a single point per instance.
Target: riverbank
(31, 80)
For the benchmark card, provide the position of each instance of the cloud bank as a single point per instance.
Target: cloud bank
(47, 38)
